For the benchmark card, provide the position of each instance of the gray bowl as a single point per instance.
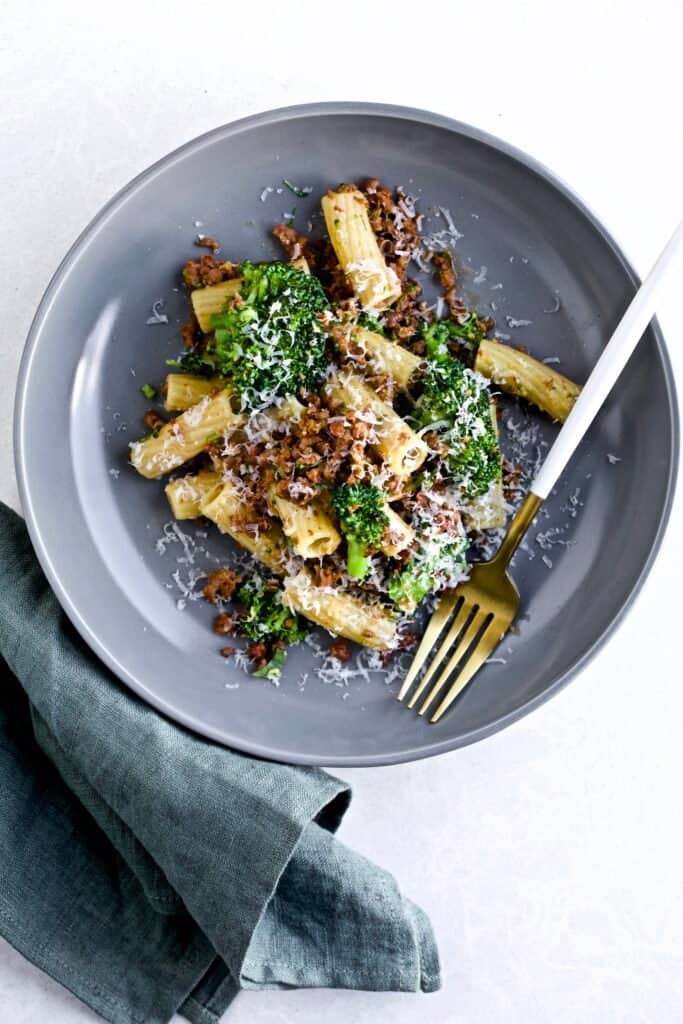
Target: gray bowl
(98, 529)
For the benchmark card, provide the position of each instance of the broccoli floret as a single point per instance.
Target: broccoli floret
(437, 561)
(361, 514)
(371, 323)
(269, 340)
(442, 336)
(456, 401)
(266, 617)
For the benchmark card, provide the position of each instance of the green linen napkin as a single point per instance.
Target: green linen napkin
(151, 871)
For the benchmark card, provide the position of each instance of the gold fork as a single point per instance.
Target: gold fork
(479, 612)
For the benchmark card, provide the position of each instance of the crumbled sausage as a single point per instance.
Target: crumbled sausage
(221, 583)
(296, 457)
(340, 650)
(208, 270)
(435, 443)
(227, 651)
(224, 624)
(294, 243)
(153, 420)
(406, 641)
(512, 479)
(448, 281)
(257, 651)
(326, 575)
(396, 230)
(191, 332)
(206, 243)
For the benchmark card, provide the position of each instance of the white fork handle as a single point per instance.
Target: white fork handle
(608, 368)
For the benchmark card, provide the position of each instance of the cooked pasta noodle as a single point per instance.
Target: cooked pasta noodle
(388, 357)
(520, 374)
(186, 494)
(187, 435)
(309, 527)
(183, 390)
(355, 244)
(340, 613)
(400, 447)
(208, 302)
(225, 507)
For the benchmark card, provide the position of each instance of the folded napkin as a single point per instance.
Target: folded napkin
(150, 871)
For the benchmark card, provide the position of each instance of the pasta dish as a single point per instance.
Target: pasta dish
(325, 418)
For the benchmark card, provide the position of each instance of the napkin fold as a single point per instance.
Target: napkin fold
(151, 871)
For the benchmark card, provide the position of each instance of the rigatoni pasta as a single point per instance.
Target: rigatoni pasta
(225, 507)
(183, 390)
(340, 613)
(185, 436)
(211, 300)
(520, 374)
(355, 243)
(388, 357)
(398, 536)
(399, 445)
(208, 302)
(186, 494)
(309, 527)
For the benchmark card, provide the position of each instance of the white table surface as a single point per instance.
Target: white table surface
(549, 856)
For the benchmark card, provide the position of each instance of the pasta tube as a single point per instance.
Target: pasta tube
(346, 216)
(206, 302)
(387, 356)
(186, 494)
(225, 507)
(398, 536)
(401, 448)
(519, 374)
(182, 390)
(309, 527)
(341, 613)
(185, 436)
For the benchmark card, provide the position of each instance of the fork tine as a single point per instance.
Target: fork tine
(458, 623)
(461, 648)
(437, 622)
(488, 642)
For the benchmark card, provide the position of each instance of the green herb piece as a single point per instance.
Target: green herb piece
(300, 192)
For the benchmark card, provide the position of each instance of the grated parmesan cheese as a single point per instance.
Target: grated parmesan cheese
(157, 316)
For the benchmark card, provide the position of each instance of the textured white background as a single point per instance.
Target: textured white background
(549, 857)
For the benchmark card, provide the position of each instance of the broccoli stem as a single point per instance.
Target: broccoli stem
(408, 588)
(357, 562)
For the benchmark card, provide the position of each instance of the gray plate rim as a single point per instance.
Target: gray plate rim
(555, 684)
